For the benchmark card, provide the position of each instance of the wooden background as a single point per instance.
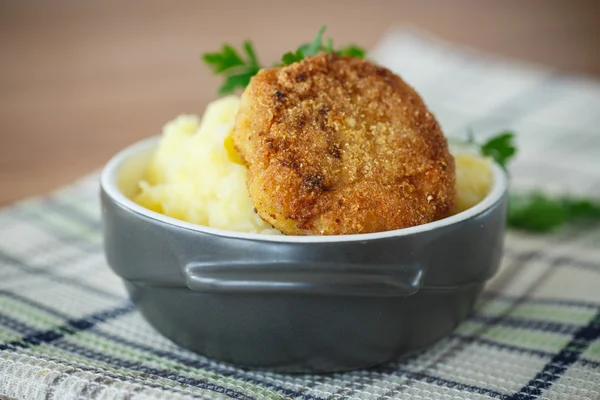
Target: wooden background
(81, 79)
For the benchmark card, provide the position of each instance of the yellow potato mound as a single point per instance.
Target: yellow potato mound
(197, 176)
(473, 180)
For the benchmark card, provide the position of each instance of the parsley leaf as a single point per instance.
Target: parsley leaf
(249, 48)
(226, 59)
(583, 208)
(229, 63)
(290, 58)
(232, 82)
(501, 148)
(317, 47)
(541, 213)
(317, 44)
(238, 70)
(329, 46)
(536, 211)
(352, 51)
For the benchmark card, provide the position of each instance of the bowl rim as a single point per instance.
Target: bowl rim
(108, 183)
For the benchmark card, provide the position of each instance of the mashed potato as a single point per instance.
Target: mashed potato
(197, 176)
(473, 180)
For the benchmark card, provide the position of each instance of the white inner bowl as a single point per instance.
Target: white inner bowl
(122, 173)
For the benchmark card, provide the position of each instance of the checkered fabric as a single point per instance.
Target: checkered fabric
(68, 330)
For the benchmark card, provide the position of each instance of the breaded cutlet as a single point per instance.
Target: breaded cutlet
(340, 145)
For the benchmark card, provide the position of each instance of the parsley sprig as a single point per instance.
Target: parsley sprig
(233, 67)
(540, 213)
(536, 212)
(501, 148)
(317, 46)
(238, 71)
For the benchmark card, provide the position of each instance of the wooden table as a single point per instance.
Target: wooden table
(79, 79)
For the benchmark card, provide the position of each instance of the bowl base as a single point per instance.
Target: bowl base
(302, 333)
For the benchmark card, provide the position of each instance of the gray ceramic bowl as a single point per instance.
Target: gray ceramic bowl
(298, 303)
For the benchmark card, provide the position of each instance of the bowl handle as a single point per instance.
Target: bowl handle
(288, 277)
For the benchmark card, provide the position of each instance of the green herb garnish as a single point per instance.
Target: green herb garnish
(352, 51)
(290, 58)
(541, 213)
(317, 46)
(501, 148)
(237, 71)
(229, 63)
(536, 212)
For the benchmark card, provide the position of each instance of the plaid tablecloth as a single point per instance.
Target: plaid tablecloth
(68, 331)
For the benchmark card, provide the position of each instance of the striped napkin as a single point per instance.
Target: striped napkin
(68, 330)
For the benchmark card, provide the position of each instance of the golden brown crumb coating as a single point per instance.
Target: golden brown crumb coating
(339, 145)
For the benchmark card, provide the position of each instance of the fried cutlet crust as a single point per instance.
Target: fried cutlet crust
(339, 145)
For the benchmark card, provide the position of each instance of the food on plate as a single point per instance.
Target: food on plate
(325, 143)
(339, 145)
